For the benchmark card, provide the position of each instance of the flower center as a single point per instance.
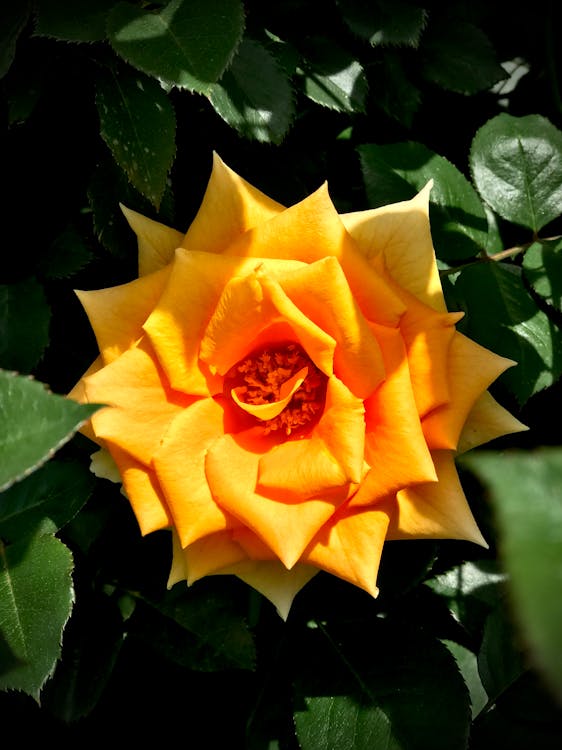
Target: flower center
(279, 386)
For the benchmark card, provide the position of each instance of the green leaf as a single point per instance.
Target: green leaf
(395, 172)
(526, 493)
(188, 43)
(44, 501)
(254, 95)
(24, 325)
(542, 268)
(73, 22)
(500, 662)
(13, 17)
(33, 425)
(65, 256)
(384, 686)
(467, 662)
(502, 316)
(459, 57)
(516, 164)
(386, 22)
(333, 78)
(138, 124)
(392, 89)
(36, 597)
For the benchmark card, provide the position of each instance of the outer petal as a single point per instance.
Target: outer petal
(180, 467)
(487, 420)
(250, 305)
(156, 241)
(143, 403)
(230, 207)
(208, 556)
(472, 368)
(274, 581)
(312, 230)
(117, 313)
(350, 546)
(395, 446)
(78, 393)
(143, 492)
(434, 511)
(232, 471)
(400, 233)
(331, 458)
(320, 290)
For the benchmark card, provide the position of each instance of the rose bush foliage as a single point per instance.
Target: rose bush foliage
(285, 388)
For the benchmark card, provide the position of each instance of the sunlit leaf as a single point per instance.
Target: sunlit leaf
(36, 596)
(187, 43)
(516, 163)
(33, 425)
(333, 77)
(542, 268)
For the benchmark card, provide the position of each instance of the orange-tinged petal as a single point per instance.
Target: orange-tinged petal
(274, 581)
(331, 458)
(312, 230)
(156, 242)
(142, 403)
(232, 471)
(143, 492)
(400, 232)
(350, 546)
(118, 313)
(434, 511)
(179, 464)
(428, 336)
(321, 291)
(178, 568)
(78, 393)
(210, 556)
(230, 207)
(487, 420)
(472, 368)
(250, 305)
(395, 446)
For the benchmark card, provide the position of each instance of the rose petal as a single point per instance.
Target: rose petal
(472, 368)
(312, 230)
(116, 314)
(350, 546)
(395, 446)
(434, 511)
(209, 556)
(236, 204)
(232, 472)
(321, 291)
(143, 491)
(273, 409)
(78, 393)
(143, 403)
(179, 464)
(156, 241)
(400, 233)
(486, 421)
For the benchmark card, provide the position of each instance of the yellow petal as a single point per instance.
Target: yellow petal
(350, 546)
(179, 464)
(211, 555)
(472, 368)
(321, 291)
(230, 207)
(434, 511)
(117, 314)
(250, 305)
(312, 230)
(331, 458)
(487, 420)
(78, 393)
(400, 233)
(178, 568)
(156, 241)
(142, 403)
(232, 472)
(395, 446)
(274, 581)
(143, 492)
(274, 408)
(103, 466)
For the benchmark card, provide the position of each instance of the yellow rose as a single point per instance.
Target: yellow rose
(286, 389)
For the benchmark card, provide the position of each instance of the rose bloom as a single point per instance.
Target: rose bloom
(286, 390)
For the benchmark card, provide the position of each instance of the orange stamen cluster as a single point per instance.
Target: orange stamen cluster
(260, 376)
